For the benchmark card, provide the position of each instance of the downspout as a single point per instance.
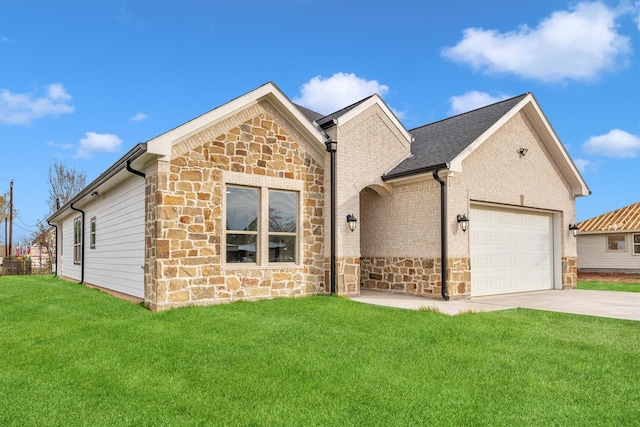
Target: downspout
(443, 233)
(81, 244)
(56, 227)
(332, 148)
(130, 169)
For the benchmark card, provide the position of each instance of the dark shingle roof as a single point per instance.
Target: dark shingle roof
(327, 121)
(438, 143)
(311, 115)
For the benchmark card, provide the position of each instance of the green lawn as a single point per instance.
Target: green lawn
(609, 286)
(70, 355)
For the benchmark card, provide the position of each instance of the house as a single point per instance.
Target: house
(261, 198)
(611, 242)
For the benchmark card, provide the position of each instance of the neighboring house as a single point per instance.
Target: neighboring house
(611, 242)
(237, 205)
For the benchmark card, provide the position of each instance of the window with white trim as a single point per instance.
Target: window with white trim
(242, 224)
(616, 242)
(636, 244)
(283, 226)
(92, 233)
(77, 240)
(255, 235)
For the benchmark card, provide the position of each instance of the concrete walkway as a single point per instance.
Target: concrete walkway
(617, 305)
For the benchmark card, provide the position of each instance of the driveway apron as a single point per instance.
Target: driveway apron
(617, 305)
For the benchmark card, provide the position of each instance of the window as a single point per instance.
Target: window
(255, 235)
(283, 214)
(92, 233)
(77, 241)
(636, 244)
(616, 242)
(242, 224)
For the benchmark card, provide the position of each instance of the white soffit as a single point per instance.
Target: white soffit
(162, 144)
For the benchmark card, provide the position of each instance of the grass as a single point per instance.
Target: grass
(70, 355)
(609, 286)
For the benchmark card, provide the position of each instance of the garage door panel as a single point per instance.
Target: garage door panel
(511, 250)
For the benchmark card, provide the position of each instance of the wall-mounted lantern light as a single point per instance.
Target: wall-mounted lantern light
(574, 229)
(523, 152)
(463, 221)
(352, 220)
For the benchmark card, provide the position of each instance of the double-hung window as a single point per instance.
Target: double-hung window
(242, 224)
(77, 241)
(261, 225)
(636, 244)
(92, 233)
(283, 226)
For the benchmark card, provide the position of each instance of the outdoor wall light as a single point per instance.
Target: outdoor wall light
(574, 229)
(463, 221)
(352, 220)
(523, 152)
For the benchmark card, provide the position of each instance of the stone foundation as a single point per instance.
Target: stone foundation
(416, 276)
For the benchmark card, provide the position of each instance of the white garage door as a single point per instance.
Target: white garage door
(511, 250)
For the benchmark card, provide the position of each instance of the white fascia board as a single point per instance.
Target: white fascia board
(557, 149)
(375, 99)
(162, 144)
(533, 111)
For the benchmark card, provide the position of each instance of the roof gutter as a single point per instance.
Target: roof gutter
(389, 177)
(133, 154)
(443, 234)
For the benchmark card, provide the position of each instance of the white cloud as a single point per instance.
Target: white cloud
(94, 142)
(327, 95)
(139, 117)
(577, 44)
(583, 164)
(472, 100)
(62, 146)
(23, 108)
(616, 143)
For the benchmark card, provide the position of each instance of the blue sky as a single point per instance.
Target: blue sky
(84, 81)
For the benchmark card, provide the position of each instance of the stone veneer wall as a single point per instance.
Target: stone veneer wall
(185, 222)
(416, 276)
(569, 272)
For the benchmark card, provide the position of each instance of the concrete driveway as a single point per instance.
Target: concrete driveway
(617, 305)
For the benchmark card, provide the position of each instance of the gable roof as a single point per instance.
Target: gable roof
(161, 145)
(435, 145)
(623, 219)
(327, 121)
(342, 116)
(445, 144)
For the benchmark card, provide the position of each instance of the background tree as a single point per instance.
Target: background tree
(64, 183)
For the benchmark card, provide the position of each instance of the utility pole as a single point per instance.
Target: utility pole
(10, 217)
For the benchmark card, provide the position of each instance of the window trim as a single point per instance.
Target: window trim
(92, 233)
(77, 240)
(624, 241)
(635, 244)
